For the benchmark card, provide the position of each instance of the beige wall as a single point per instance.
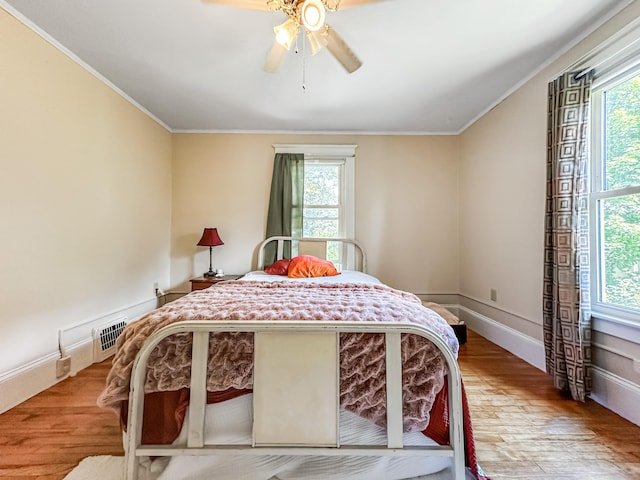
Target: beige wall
(85, 197)
(502, 200)
(406, 204)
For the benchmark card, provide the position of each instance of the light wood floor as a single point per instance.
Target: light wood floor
(524, 428)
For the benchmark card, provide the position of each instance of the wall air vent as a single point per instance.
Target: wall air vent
(104, 338)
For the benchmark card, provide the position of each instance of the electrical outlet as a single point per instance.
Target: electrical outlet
(636, 365)
(63, 366)
(494, 295)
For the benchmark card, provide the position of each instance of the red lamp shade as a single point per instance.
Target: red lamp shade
(210, 238)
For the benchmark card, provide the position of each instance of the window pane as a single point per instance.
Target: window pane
(621, 251)
(622, 135)
(325, 213)
(320, 228)
(321, 184)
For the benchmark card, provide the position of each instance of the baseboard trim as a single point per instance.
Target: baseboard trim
(24, 382)
(521, 345)
(616, 394)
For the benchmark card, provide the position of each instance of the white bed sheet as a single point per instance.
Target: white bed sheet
(231, 421)
(346, 276)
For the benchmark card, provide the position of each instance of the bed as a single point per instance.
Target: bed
(272, 378)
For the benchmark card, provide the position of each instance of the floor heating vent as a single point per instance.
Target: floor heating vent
(105, 336)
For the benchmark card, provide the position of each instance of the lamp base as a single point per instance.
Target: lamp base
(210, 273)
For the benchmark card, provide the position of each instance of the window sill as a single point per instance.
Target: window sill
(616, 326)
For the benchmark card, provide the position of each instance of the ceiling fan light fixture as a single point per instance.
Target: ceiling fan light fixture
(312, 14)
(286, 33)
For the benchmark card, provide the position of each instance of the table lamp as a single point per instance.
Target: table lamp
(210, 238)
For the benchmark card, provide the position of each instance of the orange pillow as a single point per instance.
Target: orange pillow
(280, 267)
(310, 266)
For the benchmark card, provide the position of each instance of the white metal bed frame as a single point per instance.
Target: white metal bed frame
(195, 443)
(202, 329)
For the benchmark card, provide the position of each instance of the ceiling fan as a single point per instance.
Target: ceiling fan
(308, 15)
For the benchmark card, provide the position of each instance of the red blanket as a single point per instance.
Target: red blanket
(438, 429)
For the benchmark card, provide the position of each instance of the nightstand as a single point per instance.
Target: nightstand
(201, 283)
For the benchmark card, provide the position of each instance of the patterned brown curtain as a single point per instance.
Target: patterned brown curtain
(567, 320)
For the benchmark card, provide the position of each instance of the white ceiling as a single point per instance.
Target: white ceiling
(429, 66)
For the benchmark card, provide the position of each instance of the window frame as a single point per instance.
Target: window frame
(606, 314)
(341, 154)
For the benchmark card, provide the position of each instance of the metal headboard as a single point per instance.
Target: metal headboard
(354, 250)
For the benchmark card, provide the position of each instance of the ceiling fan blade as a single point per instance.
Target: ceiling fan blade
(250, 4)
(354, 3)
(341, 51)
(275, 58)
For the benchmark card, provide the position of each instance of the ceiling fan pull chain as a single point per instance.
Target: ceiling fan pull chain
(304, 74)
(304, 65)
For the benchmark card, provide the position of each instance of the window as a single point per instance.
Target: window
(615, 198)
(328, 211)
(324, 203)
(323, 199)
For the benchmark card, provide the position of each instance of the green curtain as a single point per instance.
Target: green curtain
(285, 202)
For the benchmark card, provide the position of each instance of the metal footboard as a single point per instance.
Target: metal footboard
(196, 420)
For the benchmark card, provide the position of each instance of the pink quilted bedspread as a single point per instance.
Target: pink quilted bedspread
(362, 365)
